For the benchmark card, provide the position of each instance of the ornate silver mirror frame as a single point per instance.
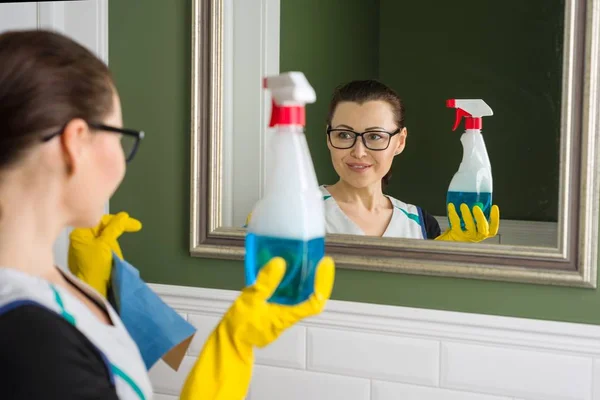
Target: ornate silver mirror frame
(572, 263)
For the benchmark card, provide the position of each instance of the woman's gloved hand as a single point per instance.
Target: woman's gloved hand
(476, 229)
(224, 368)
(91, 249)
(248, 218)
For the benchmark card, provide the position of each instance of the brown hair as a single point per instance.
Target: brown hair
(362, 91)
(46, 80)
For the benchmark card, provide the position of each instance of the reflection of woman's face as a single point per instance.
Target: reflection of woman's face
(359, 166)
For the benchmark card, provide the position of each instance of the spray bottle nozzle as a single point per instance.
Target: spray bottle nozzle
(290, 92)
(287, 115)
(460, 113)
(472, 109)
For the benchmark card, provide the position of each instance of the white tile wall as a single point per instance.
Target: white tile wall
(394, 391)
(370, 355)
(166, 381)
(501, 370)
(356, 351)
(272, 383)
(596, 382)
(164, 397)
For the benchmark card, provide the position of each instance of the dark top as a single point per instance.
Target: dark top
(432, 227)
(43, 356)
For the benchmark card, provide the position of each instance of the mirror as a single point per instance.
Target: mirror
(535, 65)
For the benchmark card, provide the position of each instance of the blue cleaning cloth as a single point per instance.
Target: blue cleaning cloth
(154, 326)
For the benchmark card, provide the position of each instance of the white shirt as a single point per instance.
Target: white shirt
(406, 221)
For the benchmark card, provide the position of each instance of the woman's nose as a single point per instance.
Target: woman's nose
(359, 150)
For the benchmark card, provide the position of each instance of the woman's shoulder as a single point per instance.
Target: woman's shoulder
(325, 192)
(406, 207)
(423, 217)
(43, 352)
(17, 288)
(35, 320)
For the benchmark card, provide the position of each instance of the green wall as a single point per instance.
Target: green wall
(150, 58)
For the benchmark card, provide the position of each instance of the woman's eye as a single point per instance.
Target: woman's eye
(374, 136)
(344, 135)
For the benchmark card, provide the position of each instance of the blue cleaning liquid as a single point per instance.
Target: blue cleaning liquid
(301, 259)
(472, 199)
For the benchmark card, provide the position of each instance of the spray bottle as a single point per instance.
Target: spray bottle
(472, 183)
(289, 220)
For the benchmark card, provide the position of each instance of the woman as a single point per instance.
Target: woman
(61, 158)
(365, 131)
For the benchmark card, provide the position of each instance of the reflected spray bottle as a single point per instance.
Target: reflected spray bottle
(472, 183)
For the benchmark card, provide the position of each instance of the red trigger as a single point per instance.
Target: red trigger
(459, 114)
(275, 111)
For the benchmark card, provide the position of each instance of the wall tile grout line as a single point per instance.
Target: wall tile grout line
(446, 389)
(593, 385)
(440, 364)
(306, 348)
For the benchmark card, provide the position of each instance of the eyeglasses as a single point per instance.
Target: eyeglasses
(130, 139)
(373, 140)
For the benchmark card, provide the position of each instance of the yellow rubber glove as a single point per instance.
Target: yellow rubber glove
(475, 230)
(91, 249)
(224, 369)
(248, 218)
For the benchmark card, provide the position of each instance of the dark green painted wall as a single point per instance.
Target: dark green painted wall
(510, 55)
(150, 58)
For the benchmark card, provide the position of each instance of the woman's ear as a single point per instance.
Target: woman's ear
(401, 141)
(74, 140)
(327, 137)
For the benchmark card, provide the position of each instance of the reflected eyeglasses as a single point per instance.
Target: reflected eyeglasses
(372, 140)
(130, 138)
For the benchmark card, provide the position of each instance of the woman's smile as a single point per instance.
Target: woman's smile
(358, 167)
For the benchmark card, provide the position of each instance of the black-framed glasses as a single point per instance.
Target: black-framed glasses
(130, 138)
(372, 140)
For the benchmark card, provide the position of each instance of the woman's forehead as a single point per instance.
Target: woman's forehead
(370, 114)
